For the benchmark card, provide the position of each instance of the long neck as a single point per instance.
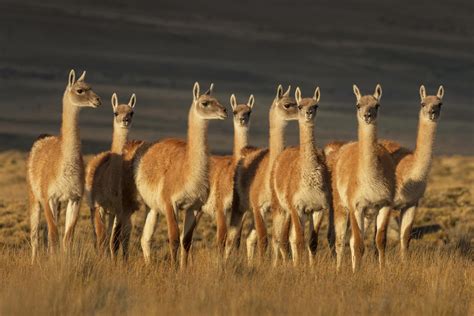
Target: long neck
(240, 140)
(70, 138)
(120, 137)
(424, 149)
(367, 147)
(197, 151)
(308, 157)
(277, 137)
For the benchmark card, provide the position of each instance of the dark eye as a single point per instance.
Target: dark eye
(80, 91)
(131, 114)
(286, 106)
(440, 104)
(234, 112)
(300, 107)
(205, 103)
(377, 106)
(423, 105)
(115, 114)
(358, 105)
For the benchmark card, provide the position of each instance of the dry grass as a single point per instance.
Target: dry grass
(437, 281)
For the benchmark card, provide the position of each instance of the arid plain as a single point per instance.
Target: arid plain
(438, 278)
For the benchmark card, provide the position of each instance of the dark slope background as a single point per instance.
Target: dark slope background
(157, 49)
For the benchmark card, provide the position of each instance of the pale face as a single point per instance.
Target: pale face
(81, 95)
(367, 109)
(123, 116)
(431, 108)
(307, 109)
(285, 108)
(242, 114)
(208, 108)
(367, 105)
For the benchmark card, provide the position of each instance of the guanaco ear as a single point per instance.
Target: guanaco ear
(82, 77)
(233, 102)
(440, 93)
(378, 92)
(287, 93)
(279, 94)
(298, 95)
(251, 101)
(356, 92)
(133, 101)
(196, 91)
(317, 94)
(72, 78)
(114, 101)
(211, 87)
(422, 92)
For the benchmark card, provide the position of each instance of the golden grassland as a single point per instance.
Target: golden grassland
(437, 280)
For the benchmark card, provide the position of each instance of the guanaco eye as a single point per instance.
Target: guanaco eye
(115, 114)
(377, 106)
(80, 91)
(440, 104)
(131, 114)
(286, 106)
(358, 105)
(423, 105)
(300, 107)
(205, 103)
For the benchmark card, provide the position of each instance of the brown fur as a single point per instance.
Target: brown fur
(363, 183)
(412, 167)
(253, 178)
(105, 187)
(55, 168)
(222, 172)
(173, 175)
(300, 186)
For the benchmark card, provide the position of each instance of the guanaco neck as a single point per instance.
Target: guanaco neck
(277, 137)
(119, 139)
(240, 140)
(70, 138)
(368, 161)
(308, 157)
(423, 154)
(197, 151)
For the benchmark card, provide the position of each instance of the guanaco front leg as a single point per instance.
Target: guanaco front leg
(148, 230)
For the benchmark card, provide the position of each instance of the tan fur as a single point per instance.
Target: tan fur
(173, 175)
(363, 183)
(300, 185)
(253, 178)
(222, 172)
(55, 169)
(412, 167)
(105, 187)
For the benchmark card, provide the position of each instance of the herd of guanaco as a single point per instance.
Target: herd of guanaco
(354, 183)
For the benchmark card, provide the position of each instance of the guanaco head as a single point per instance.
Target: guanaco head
(242, 111)
(368, 105)
(307, 106)
(431, 104)
(80, 93)
(206, 106)
(284, 106)
(123, 112)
